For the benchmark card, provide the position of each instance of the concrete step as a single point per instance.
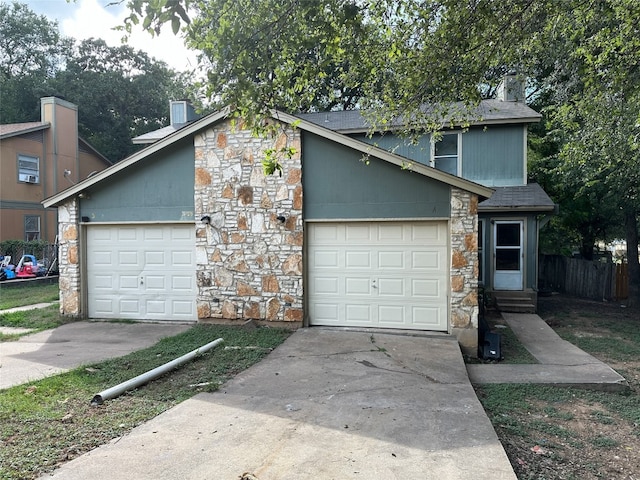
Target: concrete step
(516, 307)
(515, 302)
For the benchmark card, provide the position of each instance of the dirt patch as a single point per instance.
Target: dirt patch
(578, 434)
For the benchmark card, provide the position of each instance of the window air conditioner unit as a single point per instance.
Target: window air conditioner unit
(31, 179)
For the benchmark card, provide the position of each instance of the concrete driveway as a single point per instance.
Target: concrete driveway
(327, 404)
(42, 354)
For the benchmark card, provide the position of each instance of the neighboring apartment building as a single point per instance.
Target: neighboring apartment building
(40, 159)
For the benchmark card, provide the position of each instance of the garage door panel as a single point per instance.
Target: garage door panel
(426, 288)
(391, 260)
(357, 259)
(104, 282)
(155, 282)
(182, 307)
(128, 258)
(428, 260)
(182, 283)
(391, 316)
(391, 287)
(128, 282)
(102, 258)
(155, 234)
(357, 286)
(182, 259)
(129, 306)
(127, 235)
(433, 234)
(141, 272)
(156, 258)
(325, 232)
(359, 313)
(156, 307)
(328, 313)
(356, 233)
(428, 317)
(393, 233)
(384, 274)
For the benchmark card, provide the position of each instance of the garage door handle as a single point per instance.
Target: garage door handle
(141, 281)
(373, 284)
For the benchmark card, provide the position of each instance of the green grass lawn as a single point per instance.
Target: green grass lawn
(571, 433)
(12, 296)
(48, 422)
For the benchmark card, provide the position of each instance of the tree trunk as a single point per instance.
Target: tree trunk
(631, 230)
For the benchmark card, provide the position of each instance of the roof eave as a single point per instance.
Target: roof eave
(521, 208)
(59, 198)
(505, 121)
(25, 131)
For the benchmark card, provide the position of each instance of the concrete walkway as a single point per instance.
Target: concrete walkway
(28, 307)
(561, 363)
(326, 404)
(50, 352)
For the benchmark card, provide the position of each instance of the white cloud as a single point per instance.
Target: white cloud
(84, 19)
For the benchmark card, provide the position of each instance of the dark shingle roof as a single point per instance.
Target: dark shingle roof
(487, 112)
(530, 197)
(13, 129)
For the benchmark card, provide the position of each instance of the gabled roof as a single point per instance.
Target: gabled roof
(198, 125)
(488, 112)
(530, 198)
(15, 129)
(91, 148)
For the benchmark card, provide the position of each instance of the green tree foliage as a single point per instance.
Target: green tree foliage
(31, 52)
(120, 92)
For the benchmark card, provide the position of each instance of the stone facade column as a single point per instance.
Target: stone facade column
(464, 269)
(68, 258)
(249, 251)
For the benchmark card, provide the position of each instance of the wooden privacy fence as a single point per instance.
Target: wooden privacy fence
(583, 278)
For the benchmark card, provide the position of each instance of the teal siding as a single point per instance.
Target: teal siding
(491, 155)
(158, 188)
(338, 184)
(494, 156)
(418, 150)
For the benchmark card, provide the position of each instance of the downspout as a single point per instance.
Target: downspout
(135, 382)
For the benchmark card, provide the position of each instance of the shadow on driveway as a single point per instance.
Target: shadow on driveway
(42, 354)
(326, 404)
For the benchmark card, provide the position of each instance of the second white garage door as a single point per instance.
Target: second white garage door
(141, 272)
(382, 274)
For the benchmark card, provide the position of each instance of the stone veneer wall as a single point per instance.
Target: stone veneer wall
(248, 263)
(464, 269)
(68, 262)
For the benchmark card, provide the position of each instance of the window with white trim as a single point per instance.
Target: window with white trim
(32, 227)
(28, 169)
(445, 153)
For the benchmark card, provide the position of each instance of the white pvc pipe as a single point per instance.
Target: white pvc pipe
(135, 382)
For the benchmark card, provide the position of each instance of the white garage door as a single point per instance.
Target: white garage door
(141, 272)
(384, 274)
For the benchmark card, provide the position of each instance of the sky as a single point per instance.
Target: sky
(83, 19)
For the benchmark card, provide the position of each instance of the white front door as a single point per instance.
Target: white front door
(141, 272)
(508, 255)
(378, 274)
